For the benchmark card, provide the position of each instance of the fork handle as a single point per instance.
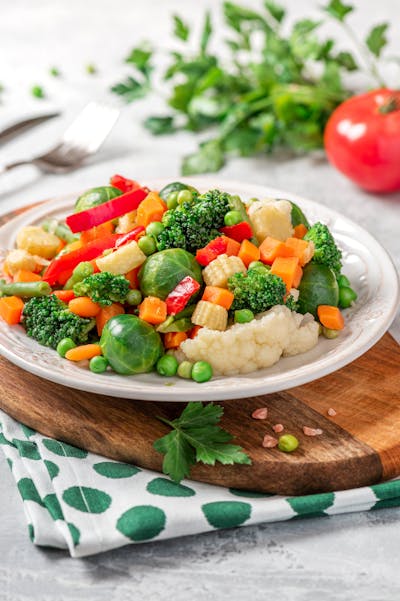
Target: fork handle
(9, 166)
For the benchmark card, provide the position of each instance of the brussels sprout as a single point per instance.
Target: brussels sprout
(96, 196)
(318, 286)
(163, 270)
(175, 187)
(130, 345)
(298, 216)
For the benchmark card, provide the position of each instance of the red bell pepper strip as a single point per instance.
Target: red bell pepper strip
(129, 236)
(79, 222)
(239, 232)
(67, 263)
(216, 247)
(181, 294)
(123, 184)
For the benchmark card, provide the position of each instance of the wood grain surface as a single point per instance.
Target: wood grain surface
(360, 445)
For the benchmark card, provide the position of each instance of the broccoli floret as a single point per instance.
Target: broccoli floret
(326, 251)
(257, 290)
(291, 303)
(193, 224)
(48, 320)
(104, 288)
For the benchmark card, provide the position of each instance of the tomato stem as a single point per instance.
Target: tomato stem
(390, 105)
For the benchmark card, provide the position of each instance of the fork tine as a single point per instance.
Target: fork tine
(91, 127)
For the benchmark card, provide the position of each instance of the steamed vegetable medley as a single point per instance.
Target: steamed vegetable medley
(187, 283)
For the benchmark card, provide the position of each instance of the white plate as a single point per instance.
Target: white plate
(366, 263)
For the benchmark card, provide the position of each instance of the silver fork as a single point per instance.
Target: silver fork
(82, 138)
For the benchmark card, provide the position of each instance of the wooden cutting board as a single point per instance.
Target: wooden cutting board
(360, 445)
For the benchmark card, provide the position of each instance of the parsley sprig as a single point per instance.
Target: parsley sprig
(272, 87)
(197, 437)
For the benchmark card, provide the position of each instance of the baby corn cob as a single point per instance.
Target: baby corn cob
(219, 270)
(210, 315)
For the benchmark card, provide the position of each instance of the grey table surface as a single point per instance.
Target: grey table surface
(337, 558)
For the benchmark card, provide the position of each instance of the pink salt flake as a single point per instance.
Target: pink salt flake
(269, 442)
(278, 428)
(332, 412)
(312, 431)
(261, 413)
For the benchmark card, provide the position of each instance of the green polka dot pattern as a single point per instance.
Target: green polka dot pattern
(142, 522)
(226, 514)
(88, 500)
(88, 504)
(110, 469)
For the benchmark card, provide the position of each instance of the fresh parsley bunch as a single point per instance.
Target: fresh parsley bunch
(276, 88)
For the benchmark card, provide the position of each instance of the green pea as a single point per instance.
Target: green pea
(243, 316)
(202, 371)
(134, 297)
(328, 333)
(288, 443)
(233, 218)
(64, 346)
(37, 92)
(98, 365)
(343, 281)
(167, 366)
(155, 228)
(185, 370)
(172, 200)
(147, 244)
(91, 69)
(258, 265)
(347, 297)
(184, 196)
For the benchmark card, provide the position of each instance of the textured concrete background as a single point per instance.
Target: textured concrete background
(337, 558)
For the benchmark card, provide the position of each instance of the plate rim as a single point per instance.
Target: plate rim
(171, 393)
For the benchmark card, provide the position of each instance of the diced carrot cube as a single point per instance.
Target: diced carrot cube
(23, 275)
(248, 252)
(288, 269)
(232, 246)
(11, 308)
(330, 317)
(271, 248)
(300, 249)
(153, 310)
(300, 231)
(174, 339)
(218, 296)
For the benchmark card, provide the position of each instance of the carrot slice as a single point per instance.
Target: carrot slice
(300, 230)
(11, 308)
(24, 275)
(132, 277)
(218, 296)
(174, 339)
(98, 231)
(64, 295)
(106, 313)
(289, 270)
(271, 248)
(153, 310)
(85, 351)
(300, 249)
(232, 246)
(330, 317)
(152, 208)
(83, 306)
(248, 252)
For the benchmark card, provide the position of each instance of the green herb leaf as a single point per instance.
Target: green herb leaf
(275, 10)
(160, 125)
(347, 60)
(181, 29)
(197, 437)
(376, 39)
(140, 57)
(338, 10)
(130, 89)
(206, 33)
(208, 159)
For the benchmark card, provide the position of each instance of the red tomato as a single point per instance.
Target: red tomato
(362, 139)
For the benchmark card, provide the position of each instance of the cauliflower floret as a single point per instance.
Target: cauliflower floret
(271, 218)
(254, 345)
